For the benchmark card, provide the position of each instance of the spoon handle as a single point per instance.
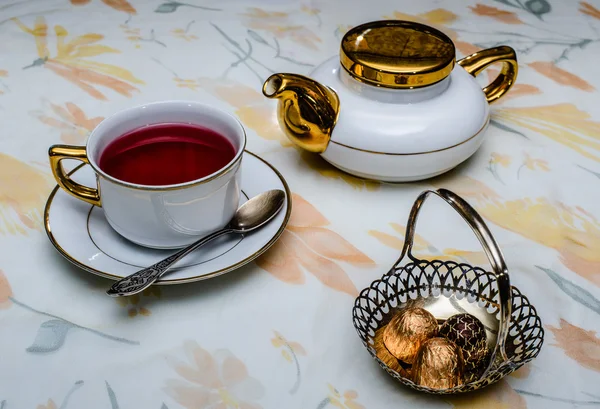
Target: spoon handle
(139, 281)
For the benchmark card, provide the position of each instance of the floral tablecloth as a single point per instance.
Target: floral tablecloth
(278, 332)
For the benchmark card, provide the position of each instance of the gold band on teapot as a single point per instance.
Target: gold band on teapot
(397, 54)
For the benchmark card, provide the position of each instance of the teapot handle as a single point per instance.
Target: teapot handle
(479, 61)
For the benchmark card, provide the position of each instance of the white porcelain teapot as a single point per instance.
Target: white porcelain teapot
(395, 105)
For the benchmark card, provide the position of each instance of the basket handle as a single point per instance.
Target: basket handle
(490, 247)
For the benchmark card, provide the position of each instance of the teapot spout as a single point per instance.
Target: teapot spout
(307, 111)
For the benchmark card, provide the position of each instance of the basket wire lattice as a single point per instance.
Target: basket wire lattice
(444, 288)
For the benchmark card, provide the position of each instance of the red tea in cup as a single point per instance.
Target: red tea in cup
(163, 185)
(166, 154)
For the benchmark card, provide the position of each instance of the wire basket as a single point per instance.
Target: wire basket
(444, 288)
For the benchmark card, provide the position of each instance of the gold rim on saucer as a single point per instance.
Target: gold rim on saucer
(237, 265)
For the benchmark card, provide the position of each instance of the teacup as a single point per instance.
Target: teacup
(158, 216)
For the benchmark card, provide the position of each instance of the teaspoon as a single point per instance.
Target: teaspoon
(253, 214)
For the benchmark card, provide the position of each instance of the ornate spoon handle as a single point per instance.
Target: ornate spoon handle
(139, 281)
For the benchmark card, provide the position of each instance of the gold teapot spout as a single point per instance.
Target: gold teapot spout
(307, 111)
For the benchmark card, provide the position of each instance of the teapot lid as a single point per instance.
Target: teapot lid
(397, 54)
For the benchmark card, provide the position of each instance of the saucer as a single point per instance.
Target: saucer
(80, 232)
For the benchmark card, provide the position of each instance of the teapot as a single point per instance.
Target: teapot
(395, 105)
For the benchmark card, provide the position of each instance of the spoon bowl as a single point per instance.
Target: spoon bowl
(257, 211)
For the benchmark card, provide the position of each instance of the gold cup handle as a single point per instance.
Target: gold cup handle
(59, 152)
(479, 61)
(492, 250)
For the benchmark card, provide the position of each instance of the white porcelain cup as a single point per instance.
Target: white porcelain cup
(158, 216)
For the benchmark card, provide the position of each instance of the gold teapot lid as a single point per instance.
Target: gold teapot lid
(397, 54)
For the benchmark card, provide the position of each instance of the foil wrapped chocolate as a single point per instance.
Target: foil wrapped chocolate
(386, 356)
(407, 330)
(468, 333)
(439, 364)
(473, 371)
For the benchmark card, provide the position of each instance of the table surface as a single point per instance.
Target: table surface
(278, 332)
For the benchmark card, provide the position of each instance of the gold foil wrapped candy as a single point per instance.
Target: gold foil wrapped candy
(405, 333)
(439, 364)
(386, 356)
(468, 333)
